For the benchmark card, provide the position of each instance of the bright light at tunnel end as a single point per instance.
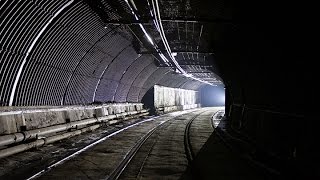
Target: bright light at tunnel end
(213, 96)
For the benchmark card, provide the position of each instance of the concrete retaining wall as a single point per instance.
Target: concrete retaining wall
(173, 99)
(178, 108)
(22, 119)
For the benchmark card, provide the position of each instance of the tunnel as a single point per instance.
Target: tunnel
(81, 81)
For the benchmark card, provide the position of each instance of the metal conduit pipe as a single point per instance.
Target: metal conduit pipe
(33, 134)
(11, 138)
(40, 142)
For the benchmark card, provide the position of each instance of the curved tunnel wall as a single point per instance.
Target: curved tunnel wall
(62, 53)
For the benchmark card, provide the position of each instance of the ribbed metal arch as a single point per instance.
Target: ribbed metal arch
(74, 57)
(34, 42)
(37, 74)
(171, 79)
(182, 81)
(114, 73)
(152, 80)
(118, 67)
(105, 85)
(20, 23)
(30, 50)
(128, 77)
(133, 94)
(136, 68)
(194, 85)
(66, 49)
(87, 72)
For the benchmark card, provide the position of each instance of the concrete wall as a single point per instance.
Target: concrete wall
(21, 119)
(171, 99)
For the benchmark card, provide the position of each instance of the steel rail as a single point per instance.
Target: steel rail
(133, 151)
(187, 141)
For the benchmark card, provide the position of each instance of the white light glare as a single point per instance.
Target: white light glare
(163, 57)
(187, 75)
(145, 33)
(141, 26)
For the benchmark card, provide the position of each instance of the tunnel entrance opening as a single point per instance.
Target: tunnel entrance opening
(212, 96)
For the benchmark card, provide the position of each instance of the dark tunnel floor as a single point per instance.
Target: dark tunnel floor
(161, 156)
(216, 161)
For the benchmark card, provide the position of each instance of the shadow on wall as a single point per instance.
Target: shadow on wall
(212, 96)
(148, 101)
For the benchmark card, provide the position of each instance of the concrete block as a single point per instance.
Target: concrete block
(55, 117)
(131, 108)
(8, 124)
(88, 113)
(138, 107)
(123, 108)
(116, 109)
(127, 108)
(43, 119)
(20, 122)
(110, 110)
(72, 115)
(39, 118)
(33, 120)
(106, 110)
(100, 112)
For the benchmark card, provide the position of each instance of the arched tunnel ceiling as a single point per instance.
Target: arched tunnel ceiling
(85, 51)
(72, 52)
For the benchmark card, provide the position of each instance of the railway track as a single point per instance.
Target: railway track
(117, 172)
(144, 165)
(123, 165)
(154, 148)
(187, 141)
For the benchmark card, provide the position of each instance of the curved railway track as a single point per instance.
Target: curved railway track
(117, 172)
(159, 147)
(187, 141)
(123, 165)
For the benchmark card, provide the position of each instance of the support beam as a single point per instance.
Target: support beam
(201, 65)
(196, 20)
(194, 72)
(179, 51)
(168, 19)
(185, 65)
(125, 22)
